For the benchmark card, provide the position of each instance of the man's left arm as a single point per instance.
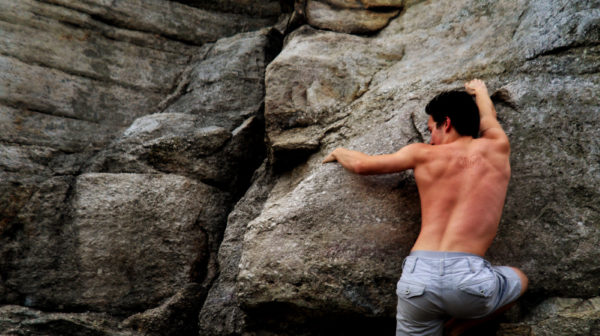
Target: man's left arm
(361, 163)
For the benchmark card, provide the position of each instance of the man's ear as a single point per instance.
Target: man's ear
(447, 124)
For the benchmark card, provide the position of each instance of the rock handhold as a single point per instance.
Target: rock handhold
(347, 20)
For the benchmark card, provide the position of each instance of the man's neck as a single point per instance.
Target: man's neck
(455, 137)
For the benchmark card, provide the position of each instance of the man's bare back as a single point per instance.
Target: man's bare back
(462, 177)
(462, 186)
(462, 181)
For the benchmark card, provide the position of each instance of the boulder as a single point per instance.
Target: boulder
(328, 242)
(347, 20)
(253, 8)
(16, 320)
(80, 88)
(131, 239)
(311, 82)
(178, 143)
(173, 20)
(226, 85)
(557, 316)
(128, 131)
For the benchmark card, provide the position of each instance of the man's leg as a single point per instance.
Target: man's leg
(456, 327)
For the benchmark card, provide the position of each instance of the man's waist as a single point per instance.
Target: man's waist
(441, 254)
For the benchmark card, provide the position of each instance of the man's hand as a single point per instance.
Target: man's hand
(476, 87)
(330, 158)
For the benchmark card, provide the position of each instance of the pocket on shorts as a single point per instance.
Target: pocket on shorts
(407, 290)
(481, 287)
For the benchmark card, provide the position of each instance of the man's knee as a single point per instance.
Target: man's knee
(524, 280)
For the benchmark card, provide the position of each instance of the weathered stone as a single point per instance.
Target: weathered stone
(206, 132)
(349, 257)
(260, 8)
(180, 144)
(177, 316)
(29, 128)
(32, 241)
(382, 3)
(310, 83)
(16, 320)
(27, 87)
(311, 250)
(558, 316)
(133, 241)
(356, 21)
(167, 18)
(330, 242)
(73, 76)
(227, 86)
(364, 3)
(221, 314)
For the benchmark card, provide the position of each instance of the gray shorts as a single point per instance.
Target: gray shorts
(438, 285)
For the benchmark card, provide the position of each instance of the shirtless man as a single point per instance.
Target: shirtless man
(462, 177)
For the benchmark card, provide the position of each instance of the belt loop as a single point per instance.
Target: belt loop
(471, 267)
(442, 265)
(410, 267)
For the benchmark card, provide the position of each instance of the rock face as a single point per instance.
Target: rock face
(334, 242)
(109, 205)
(349, 18)
(307, 92)
(131, 136)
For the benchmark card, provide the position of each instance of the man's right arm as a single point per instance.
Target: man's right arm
(489, 127)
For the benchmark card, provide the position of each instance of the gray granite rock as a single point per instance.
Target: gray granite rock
(226, 85)
(557, 316)
(311, 82)
(221, 313)
(347, 20)
(75, 75)
(253, 8)
(17, 320)
(128, 243)
(310, 249)
(328, 242)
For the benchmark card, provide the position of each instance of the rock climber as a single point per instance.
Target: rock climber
(462, 176)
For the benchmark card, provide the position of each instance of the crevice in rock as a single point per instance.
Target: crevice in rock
(117, 23)
(558, 51)
(420, 136)
(503, 97)
(183, 81)
(518, 25)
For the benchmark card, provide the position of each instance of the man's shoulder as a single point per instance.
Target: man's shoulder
(498, 143)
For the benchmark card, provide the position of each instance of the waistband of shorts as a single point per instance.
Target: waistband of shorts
(441, 254)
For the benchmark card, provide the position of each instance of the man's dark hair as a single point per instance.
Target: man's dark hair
(460, 107)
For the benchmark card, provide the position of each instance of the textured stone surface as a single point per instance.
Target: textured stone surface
(312, 80)
(365, 3)
(226, 85)
(260, 8)
(328, 241)
(558, 316)
(176, 316)
(132, 240)
(80, 85)
(310, 249)
(347, 20)
(221, 314)
(16, 320)
(170, 19)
